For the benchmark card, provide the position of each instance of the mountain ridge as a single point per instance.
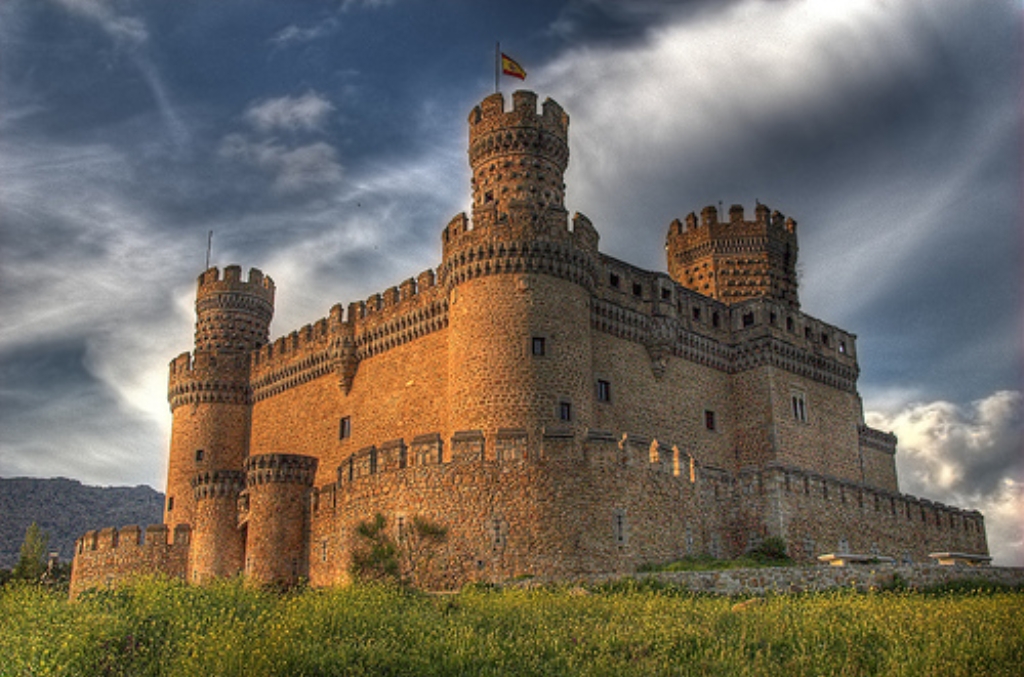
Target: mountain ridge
(65, 509)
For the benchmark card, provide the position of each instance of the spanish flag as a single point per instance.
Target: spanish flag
(509, 66)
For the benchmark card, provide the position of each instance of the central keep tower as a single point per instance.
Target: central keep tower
(519, 278)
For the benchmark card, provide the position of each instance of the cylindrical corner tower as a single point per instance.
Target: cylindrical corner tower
(735, 260)
(217, 545)
(278, 517)
(209, 389)
(519, 278)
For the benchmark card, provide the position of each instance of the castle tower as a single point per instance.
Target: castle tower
(218, 547)
(735, 260)
(519, 278)
(208, 389)
(275, 512)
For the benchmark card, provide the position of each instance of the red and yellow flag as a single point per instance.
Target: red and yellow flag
(509, 66)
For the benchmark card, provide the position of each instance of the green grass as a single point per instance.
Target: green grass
(709, 563)
(158, 627)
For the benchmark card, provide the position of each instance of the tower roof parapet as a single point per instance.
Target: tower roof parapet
(491, 113)
(258, 284)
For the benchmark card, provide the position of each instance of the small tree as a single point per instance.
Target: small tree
(772, 550)
(380, 558)
(376, 558)
(32, 561)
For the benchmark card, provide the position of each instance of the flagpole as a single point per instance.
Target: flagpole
(497, 64)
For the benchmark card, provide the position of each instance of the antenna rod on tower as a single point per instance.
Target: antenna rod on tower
(209, 246)
(497, 65)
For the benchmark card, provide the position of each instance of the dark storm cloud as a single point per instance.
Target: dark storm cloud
(621, 23)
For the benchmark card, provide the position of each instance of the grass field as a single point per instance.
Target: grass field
(158, 627)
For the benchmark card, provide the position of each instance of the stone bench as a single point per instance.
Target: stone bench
(960, 558)
(842, 559)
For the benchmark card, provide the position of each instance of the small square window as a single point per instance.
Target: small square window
(638, 290)
(170, 503)
(604, 391)
(696, 313)
(613, 280)
(666, 294)
(565, 411)
(709, 419)
(345, 428)
(539, 346)
(199, 455)
(748, 319)
(715, 320)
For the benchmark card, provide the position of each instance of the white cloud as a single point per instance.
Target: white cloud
(290, 113)
(125, 30)
(292, 34)
(295, 170)
(968, 456)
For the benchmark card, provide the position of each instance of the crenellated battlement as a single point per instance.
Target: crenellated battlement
(338, 343)
(566, 253)
(211, 281)
(280, 469)
(806, 494)
(491, 114)
(733, 259)
(207, 378)
(108, 556)
(516, 446)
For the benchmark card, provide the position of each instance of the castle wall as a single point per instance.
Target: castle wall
(818, 515)
(822, 436)
(562, 505)
(670, 409)
(103, 558)
(878, 454)
(397, 393)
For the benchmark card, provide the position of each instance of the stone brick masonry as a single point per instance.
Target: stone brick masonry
(559, 411)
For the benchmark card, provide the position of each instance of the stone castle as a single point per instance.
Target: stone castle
(559, 411)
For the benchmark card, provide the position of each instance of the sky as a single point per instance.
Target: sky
(325, 143)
